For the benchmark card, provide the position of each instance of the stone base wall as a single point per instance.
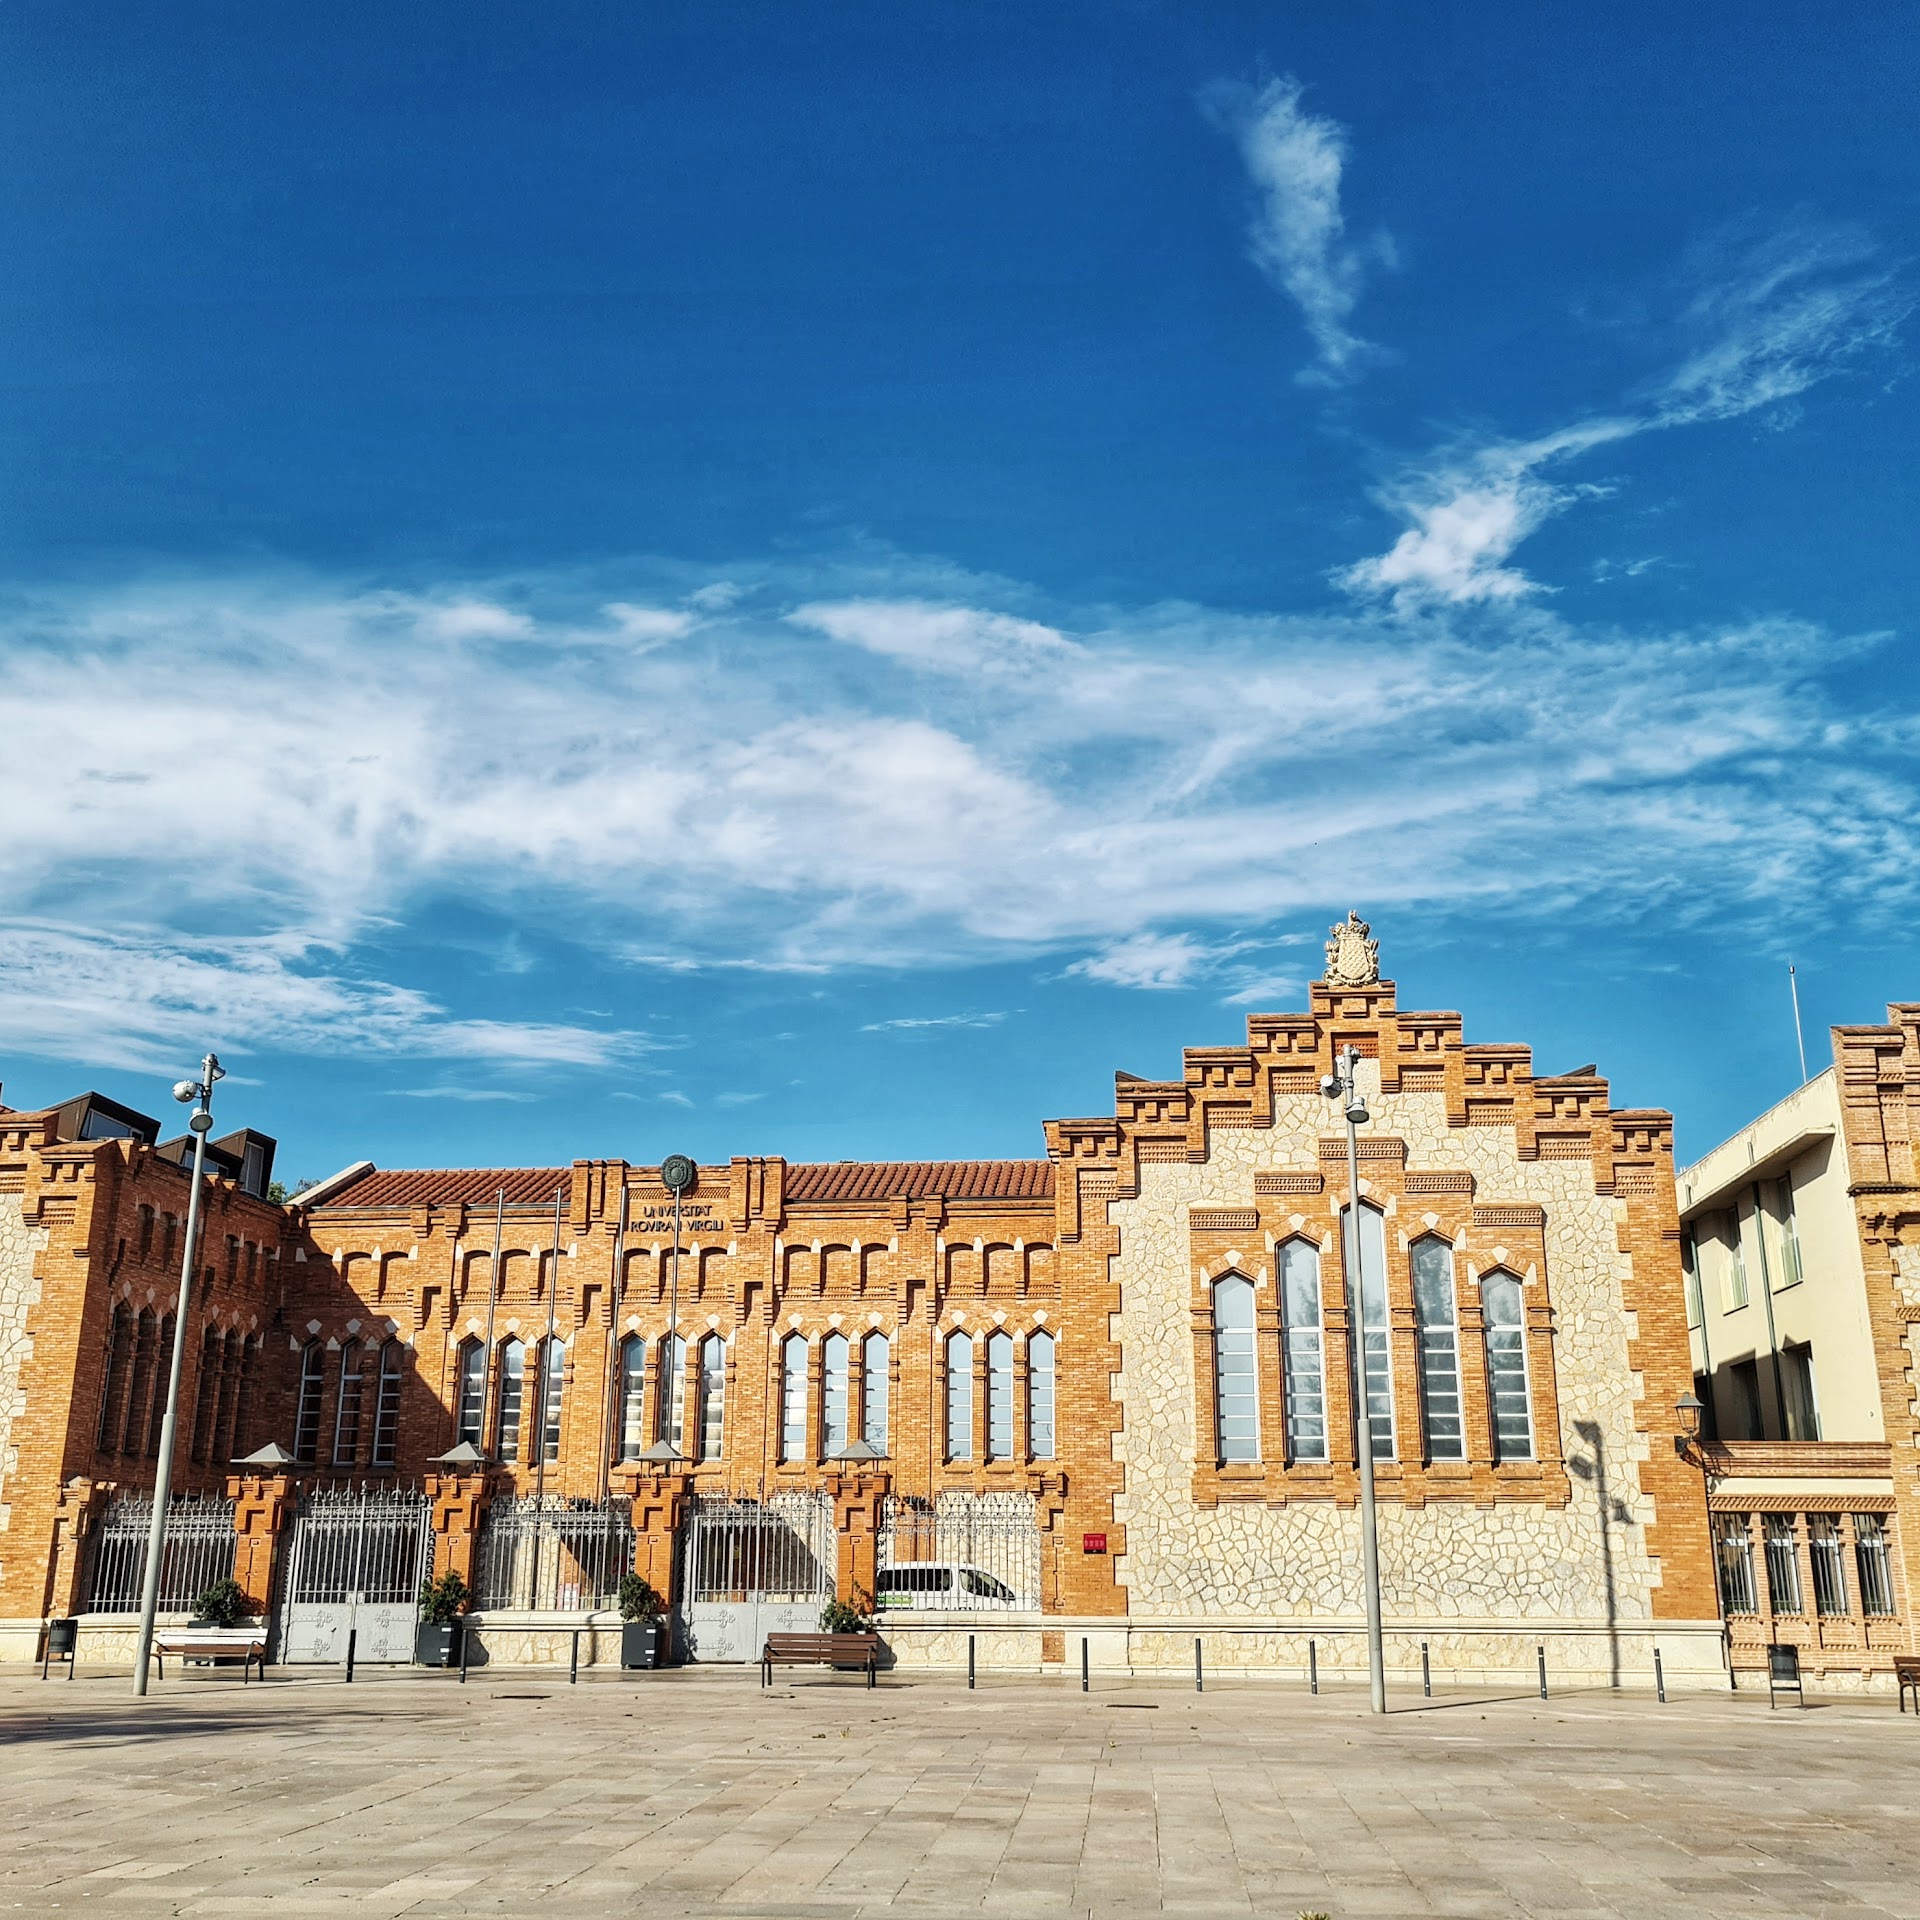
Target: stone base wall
(19, 1294)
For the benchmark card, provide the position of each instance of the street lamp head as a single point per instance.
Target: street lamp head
(1330, 1085)
(1357, 1111)
(1688, 1410)
(186, 1091)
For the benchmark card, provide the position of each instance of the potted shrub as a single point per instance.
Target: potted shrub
(436, 1641)
(643, 1631)
(849, 1616)
(223, 1604)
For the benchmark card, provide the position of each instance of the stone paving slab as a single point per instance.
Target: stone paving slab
(696, 1793)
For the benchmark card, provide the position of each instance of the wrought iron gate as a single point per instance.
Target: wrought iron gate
(755, 1567)
(196, 1551)
(959, 1553)
(354, 1564)
(552, 1554)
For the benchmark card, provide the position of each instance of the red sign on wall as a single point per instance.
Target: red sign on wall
(1093, 1543)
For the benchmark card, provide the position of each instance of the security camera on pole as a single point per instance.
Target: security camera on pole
(200, 1122)
(1342, 1085)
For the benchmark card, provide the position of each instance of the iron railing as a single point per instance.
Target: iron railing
(368, 1543)
(959, 1552)
(197, 1551)
(550, 1554)
(780, 1548)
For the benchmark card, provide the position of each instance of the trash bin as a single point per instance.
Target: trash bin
(62, 1637)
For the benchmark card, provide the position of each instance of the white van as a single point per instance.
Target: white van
(941, 1586)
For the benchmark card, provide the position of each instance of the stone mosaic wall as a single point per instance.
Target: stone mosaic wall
(19, 1292)
(1441, 1563)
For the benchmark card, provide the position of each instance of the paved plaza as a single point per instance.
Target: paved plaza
(696, 1793)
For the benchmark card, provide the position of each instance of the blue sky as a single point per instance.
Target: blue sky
(741, 579)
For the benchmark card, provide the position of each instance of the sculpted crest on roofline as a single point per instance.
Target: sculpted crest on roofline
(1353, 960)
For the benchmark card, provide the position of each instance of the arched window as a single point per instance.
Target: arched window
(878, 1353)
(139, 1382)
(206, 1395)
(553, 1386)
(713, 1397)
(999, 1396)
(673, 1358)
(386, 1408)
(513, 1390)
(960, 1396)
(1304, 1349)
(1367, 1271)
(835, 1393)
(793, 1397)
(223, 1415)
(113, 1374)
(472, 1403)
(242, 1441)
(1040, 1396)
(306, 1418)
(157, 1393)
(146, 1232)
(633, 1397)
(1236, 1392)
(1505, 1314)
(346, 1408)
(1438, 1320)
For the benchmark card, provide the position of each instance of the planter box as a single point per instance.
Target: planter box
(436, 1646)
(643, 1643)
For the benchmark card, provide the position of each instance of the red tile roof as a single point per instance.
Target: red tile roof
(477, 1186)
(914, 1179)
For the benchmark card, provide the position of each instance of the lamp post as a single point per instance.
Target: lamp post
(678, 1174)
(200, 1123)
(1342, 1085)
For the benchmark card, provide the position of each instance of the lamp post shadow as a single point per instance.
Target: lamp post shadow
(1612, 1512)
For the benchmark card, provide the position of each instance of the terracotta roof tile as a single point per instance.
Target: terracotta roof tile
(914, 1179)
(476, 1186)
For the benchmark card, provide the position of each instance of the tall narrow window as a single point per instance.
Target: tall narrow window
(1828, 1552)
(1872, 1564)
(206, 1395)
(713, 1397)
(999, 1396)
(146, 1233)
(633, 1396)
(386, 1408)
(1792, 1269)
(1690, 1277)
(1796, 1380)
(673, 1359)
(157, 1393)
(1735, 1285)
(1236, 1394)
(1439, 1349)
(1745, 1378)
(473, 1393)
(113, 1374)
(553, 1386)
(1783, 1563)
(1733, 1559)
(960, 1396)
(1369, 1263)
(1040, 1396)
(346, 1408)
(873, 1426)
(1505, 1314)
(306, 1418)
(793, 1397)
(242, 1442)
(513, 1389)
(223, 1414)
(1304, 1350)
(835, 1393)
(139, 1383)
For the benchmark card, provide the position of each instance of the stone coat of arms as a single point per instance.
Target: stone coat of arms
(1353, 959)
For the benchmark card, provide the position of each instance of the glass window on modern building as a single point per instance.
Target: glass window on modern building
(1503, 1308)
(1872, 1563)
(1792, 1270)
(959, 1396)
(1783, 1563)
(1733, 1561)
(1745, 1378)
(1828, 1553)
(1438, 1321)
(1040, 1396)
(1304, 1350)
(1796, 1385)
(1236, 1389)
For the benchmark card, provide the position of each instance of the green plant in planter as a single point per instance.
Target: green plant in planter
(842, 1616)
(442, 1601)
(640, 1599)
(224, 1604)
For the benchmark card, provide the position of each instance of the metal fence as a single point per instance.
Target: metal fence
(549, 1554)
(197, 1551)
(780, 1548)
(960, 1553)
(365, 1544)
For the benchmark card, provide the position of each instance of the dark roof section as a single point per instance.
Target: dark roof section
(880, 1180)
(448, 1187)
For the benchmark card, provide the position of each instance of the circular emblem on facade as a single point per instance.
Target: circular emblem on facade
(678, 1173)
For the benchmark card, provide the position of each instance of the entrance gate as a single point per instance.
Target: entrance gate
(355, 1561)
(755, 1567)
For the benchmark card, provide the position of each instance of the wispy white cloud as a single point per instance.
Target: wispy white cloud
(939, 639)
(926, 1022)
(1298, 235)
(457, 1093)
(1145, 960)
(1769, 323)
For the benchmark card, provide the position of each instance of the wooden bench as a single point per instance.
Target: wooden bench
(245, 1644)
(1906, 1673)
(854, 1650)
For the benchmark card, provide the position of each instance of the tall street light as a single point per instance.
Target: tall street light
(1342, 1085)
(200, 1121)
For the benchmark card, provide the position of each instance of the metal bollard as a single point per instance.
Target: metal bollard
(1199, 1681)
(1083, 1666)
(353, 1634)
(464, 1636)
(1313, 1668)
(1426, 1673)
(969, 1663)
(1659, 1678)
(573, 1670)
(1543, 1671)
